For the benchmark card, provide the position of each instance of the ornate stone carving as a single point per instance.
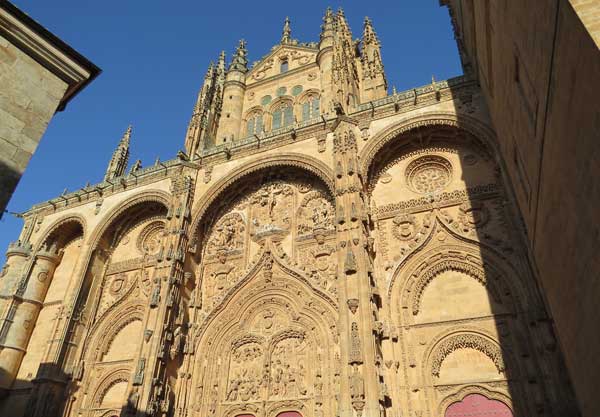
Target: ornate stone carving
(151, 238)
(436, 269)
(355, 355)
(466, 341)
(404, 227)
(228, 235)
(473, 215)
(353, 305)
(315, 213)
(428, 174)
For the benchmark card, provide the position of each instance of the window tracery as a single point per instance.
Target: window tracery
(283, 116)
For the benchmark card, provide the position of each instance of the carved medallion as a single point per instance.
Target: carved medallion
(473, 215)
(404, 227)
(428, 174)
(150, 238)
(117, 285)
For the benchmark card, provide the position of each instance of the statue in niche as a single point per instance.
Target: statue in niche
(315, 214)
(228, 234)
(357, 385)
(288, 369)
(271, 206)
(219, 277)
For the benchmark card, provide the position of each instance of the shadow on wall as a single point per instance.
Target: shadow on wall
(9, 178)
(471, 322)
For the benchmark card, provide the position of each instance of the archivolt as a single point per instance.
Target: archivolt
(294, 160)
(104, 331)
(461, 121)
(462, 392)
(146, 196)
(60, 222)
(110, 380)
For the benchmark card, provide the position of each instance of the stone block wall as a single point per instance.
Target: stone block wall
(29, 96)
(538, 66)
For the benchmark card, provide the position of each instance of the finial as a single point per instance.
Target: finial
(287, 31)
(239, 61)
(210, 70)
(394, 90)
(126, 136)
(432, 79)
(369, 36)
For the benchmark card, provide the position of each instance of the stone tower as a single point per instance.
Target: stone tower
(321, 248)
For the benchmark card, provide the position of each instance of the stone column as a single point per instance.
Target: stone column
(22, 313)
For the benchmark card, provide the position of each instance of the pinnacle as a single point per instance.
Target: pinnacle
(127, 135)
(287, 31)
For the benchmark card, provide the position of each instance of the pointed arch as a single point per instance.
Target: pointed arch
(273, 307)
(413, 272)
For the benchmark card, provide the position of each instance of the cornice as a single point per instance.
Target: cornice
(47, 49)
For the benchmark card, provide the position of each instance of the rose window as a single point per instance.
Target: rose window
(429, 174)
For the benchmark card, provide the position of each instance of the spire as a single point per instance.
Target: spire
(120, 158)
(287, 32)
(369, 35)
(221, 67)
(326, 28)
(240, 61)
(209, 71)
(341, 20)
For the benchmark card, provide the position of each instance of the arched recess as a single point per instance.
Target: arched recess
(271, 343)
(110, 390)
(497, 367)
(219, 196)
(411, 276)
(448, 256)
(407, 131)
(56, 258)
(116, 288)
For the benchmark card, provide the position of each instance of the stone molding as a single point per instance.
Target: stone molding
(460, 121)
(48, 50)
(304, 162)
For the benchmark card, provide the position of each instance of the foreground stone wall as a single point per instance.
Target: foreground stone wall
(29, 96)
(538, 65)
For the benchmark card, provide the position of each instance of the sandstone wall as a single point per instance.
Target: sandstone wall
(29, 96)
(538, 65)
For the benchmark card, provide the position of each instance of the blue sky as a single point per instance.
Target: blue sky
(154, 55)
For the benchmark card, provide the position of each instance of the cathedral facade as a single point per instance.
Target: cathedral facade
(321, 248)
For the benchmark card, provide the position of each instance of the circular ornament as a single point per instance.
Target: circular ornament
(42, 276)
(428, 174)
(473, 215)
(404, 227)
(265, 100)
(281, 91)
(151, 237)
(297, 90)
